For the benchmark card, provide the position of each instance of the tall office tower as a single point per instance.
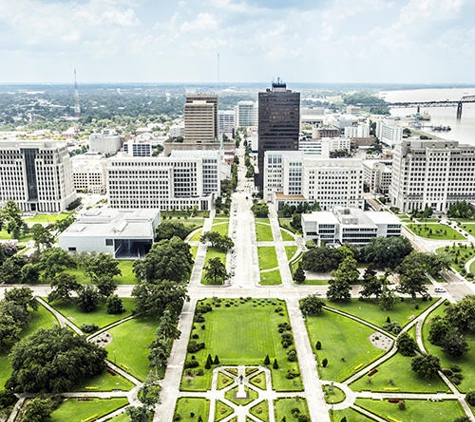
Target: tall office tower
(246, 114)
(37, 175)
(279, 123)
(201, 118)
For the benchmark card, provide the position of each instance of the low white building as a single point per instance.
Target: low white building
(124, 234)
(89, 173)
(349, 225)
(106, 142)
(138, 148)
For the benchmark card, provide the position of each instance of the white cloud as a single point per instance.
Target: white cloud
(203, 22)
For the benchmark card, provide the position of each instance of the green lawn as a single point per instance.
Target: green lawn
(187, 405)
(403, 312)
(121, 418)
(458, 254)
(290, 251)
(270, 278)
(345, 343)
(105, 382)
(350, 414)
(72, 410)
(286, 236)
(46, 218)
(127, 268)
(242, 332)
(468, 226)
(194, 251)
(128, 348)
(261, 410)
(4, 235)
(99, 317)
(285, 223)
(466, 362)
(435, 231)
(264, 232)
(41, 318)
(397, 373)
(283, 407)
(210, 254)
(221, 227)
(196, 236)
(316, 282)
(416, 410)
(267, 257)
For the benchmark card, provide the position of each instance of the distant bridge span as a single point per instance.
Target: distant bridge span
(419, 104)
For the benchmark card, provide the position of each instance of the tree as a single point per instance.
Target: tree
(217, 240)
(311, 305)
(53, 361)
(371, 284)
(428, 262)
(455, 344)
(11, 216)
(159, 353)
(101, 266)
(340, 285)
(439, 329)
(338, 290)
(260, 210)
(216, 271)
(137, 414)
(470, 398)
(152, 298)
(168, 326)
(21, 296)
(267, 360)
(166, 260)
(62, 286)
(321, 259)
(106, 286)
(426, 366)
(387, 252)
(30, 273)
(459, 209)
(412, 281)
(325, 362)
(462, 314)
(169, 229)
(54, 261)
(406, 345)
(88, 298)
(62, 224)
(37, 410)
(114, 305)
(9, 329)
(10, 273)
(41, 236)
(299, 275)
(387, 299)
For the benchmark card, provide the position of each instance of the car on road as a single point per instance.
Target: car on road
(440, 290)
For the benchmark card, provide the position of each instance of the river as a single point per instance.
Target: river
(463, 130)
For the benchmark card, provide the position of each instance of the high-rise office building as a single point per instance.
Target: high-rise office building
(279, 123)
(37, 175)
(201, 118)
(246, 114)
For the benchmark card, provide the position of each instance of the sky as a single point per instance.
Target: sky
(163, 41)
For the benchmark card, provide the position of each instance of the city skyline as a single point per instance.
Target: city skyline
(362, 41)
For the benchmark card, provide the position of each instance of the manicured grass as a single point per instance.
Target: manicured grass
(224, 380)
(397, 373)
(427, 220)
(4, 235)
(283, 407)
(126, 266)
(100, 317)
(333, 394)
(468, 227)
(435, 231)
(105, 382)
(263, 220)
(466, 362)
(285, 223)
(194, 251)
(259, 380)
(403, 312)
(231, 396)
(242, 332)
(261, 410)
(458, 254)
(350, 414)
(187, 405)
(121, 418)
(345, 343)
(267, 257)
(286, 236)
(210, 254)
(221, 227)
(128, 348)
(72, 410)
(41, 318)
(264, 232)
(416, 410)
(270, 278)
(222, 411)
(196, 236)
(316, 282)
(290, 251)
(46, 218)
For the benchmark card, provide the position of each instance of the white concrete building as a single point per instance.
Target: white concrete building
(292, 177)
(37, 175)
(314, 147)
(360, 131)
(177, 131)
(389, 132)
(89, 173)
(349, 225)
(123, 234)
(107, 142)
(337, 144)
(226, 123)
(436, 173)
(185, 179)
(246, 114)
(137, 148)
(377, 175)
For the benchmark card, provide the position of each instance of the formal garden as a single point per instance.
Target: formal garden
(435, 231)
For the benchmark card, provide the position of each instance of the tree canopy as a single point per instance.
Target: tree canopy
(387, 252)
(52, 361)
(321, 259)
(311, 305)
(169, 229)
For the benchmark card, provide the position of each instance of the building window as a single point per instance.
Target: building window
(109, 242)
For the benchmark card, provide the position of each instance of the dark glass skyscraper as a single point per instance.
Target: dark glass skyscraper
(279, 123)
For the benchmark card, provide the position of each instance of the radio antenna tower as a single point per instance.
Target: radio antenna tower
(77, 106)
